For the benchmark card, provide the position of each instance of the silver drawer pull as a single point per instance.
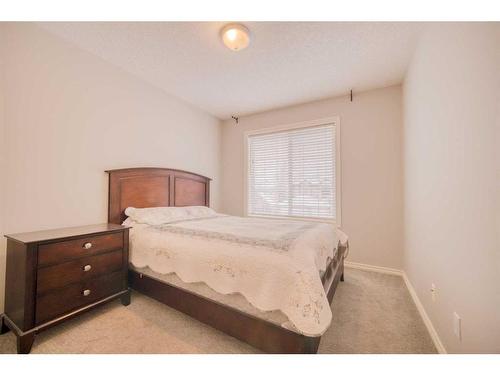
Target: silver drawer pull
(86, 268)
(86, 292)
(87, 245)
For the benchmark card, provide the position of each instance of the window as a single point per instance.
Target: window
(292, 172)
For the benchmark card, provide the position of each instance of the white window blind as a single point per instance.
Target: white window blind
(292, 173)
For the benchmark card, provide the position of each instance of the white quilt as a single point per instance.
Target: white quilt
(274, 264)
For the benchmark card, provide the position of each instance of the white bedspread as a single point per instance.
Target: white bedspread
(274, 264)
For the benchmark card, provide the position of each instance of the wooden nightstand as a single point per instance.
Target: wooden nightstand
(54, 275)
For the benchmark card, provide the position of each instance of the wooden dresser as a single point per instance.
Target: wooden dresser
(56, 274)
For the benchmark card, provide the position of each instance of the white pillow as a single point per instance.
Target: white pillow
(163, 215)
(200, 211)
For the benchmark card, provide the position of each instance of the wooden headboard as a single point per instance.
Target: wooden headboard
(154, 187)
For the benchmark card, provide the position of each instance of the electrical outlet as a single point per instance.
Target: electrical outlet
(457, 325)
(433, 292)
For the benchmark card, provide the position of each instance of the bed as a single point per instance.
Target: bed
(215, 269)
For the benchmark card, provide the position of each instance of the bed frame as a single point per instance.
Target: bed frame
(162, 187)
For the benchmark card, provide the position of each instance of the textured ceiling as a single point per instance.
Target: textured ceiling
(286, 63)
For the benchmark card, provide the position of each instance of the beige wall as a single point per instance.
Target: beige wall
(371, 168)
(69, 116)
(2, 177)
(451, 155)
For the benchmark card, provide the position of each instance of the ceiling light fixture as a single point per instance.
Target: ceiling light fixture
(235, 36)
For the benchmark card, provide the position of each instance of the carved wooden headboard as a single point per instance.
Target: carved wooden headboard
(154, 187)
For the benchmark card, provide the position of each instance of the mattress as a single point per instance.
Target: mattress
(270, 269)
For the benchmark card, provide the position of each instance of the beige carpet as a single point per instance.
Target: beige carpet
(372, 313)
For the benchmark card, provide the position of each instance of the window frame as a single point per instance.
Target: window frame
(338, 166)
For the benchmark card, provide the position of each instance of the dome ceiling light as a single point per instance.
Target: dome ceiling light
(235, 36)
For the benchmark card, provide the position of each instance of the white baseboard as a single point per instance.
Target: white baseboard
(393, 271)
(427, 321)
(367, 267)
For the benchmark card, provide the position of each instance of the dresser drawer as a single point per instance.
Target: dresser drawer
(60, 301)
(63, 274)
(61, 251)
